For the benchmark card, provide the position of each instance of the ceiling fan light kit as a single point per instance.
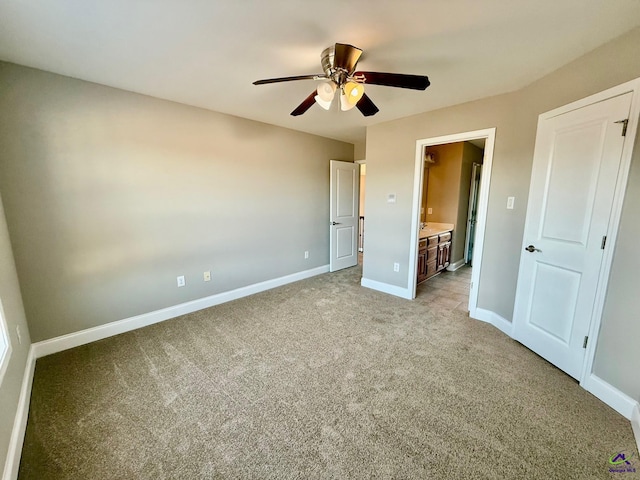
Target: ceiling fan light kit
(325, 93)
(353, 91)
(339, 64)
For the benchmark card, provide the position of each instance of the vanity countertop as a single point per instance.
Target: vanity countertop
(433, 228)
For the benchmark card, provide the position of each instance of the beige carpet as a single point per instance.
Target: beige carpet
(317, 379)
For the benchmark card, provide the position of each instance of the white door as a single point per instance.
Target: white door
(575, 166)
(343, 221)
(472, 216)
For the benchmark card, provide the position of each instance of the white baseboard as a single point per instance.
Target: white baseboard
(386, 288)
(12, 463)
(71, 340)
(635, 423)
(620, 402)
(455, 266)
(494, 319)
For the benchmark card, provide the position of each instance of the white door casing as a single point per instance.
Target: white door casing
(489, 135)
(343, 221)
(573, 184)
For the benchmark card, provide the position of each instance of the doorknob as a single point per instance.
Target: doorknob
(335, 223)
(532, 249)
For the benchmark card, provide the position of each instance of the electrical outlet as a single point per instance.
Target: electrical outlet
(207, 276)
(306, 254)
(429, 211)
(19, 334)
(396, 267)
(181, 282)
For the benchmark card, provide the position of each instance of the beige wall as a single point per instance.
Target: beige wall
(444, 183)
(390, 156)
(360, 151)
(109, 195)
(363, 189)
(15, 317)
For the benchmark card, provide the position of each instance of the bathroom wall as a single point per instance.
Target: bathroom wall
(446, 192)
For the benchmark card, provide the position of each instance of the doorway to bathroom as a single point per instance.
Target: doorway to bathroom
(449, 213)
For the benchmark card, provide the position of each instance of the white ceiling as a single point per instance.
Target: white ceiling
(208, 52)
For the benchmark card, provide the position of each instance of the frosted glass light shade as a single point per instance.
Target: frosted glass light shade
(345, 104)
(326, 92)
(353, 91)
(323, 103)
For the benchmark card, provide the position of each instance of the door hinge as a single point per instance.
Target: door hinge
(584, 343)
(624, 123)
(604, 242)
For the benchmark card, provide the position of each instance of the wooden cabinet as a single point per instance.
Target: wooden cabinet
(434, 255)
(422, 260)
(444, 255)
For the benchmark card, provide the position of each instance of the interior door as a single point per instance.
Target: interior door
(476, 172)
(576, 160)
(343, 222)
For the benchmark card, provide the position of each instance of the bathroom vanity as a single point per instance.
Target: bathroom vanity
(434, 249)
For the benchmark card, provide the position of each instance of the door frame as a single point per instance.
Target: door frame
(361, 163)
(333, 267)
(586, 380)
(489, 134)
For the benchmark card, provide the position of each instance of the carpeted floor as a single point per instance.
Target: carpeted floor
(317, 379)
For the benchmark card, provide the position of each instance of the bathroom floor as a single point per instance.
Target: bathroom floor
(447, 289)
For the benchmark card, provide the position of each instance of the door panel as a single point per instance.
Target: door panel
(575, 161)
(344, 241)
(344, 198)
(554, 299)
(575, 167)
(346, 179)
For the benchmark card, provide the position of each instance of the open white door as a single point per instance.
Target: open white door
(472, 216)
(343, 221)
(576, 161)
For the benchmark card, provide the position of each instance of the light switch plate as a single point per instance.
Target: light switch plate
(510, 202)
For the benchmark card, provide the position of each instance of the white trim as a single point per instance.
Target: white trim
(635, 423)
(455, 266)
(620, 402)
(483, 202)
(501, 323)
(616, 211)
(71, 340)
(386, 288)
(12, 463)
(5, 343)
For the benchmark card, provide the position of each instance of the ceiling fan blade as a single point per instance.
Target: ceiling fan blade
(346, 56)
(317, 76)
(306, 104)
(366, 106)
(400, 80)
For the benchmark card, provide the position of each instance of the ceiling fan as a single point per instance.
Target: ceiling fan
(339, 64)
